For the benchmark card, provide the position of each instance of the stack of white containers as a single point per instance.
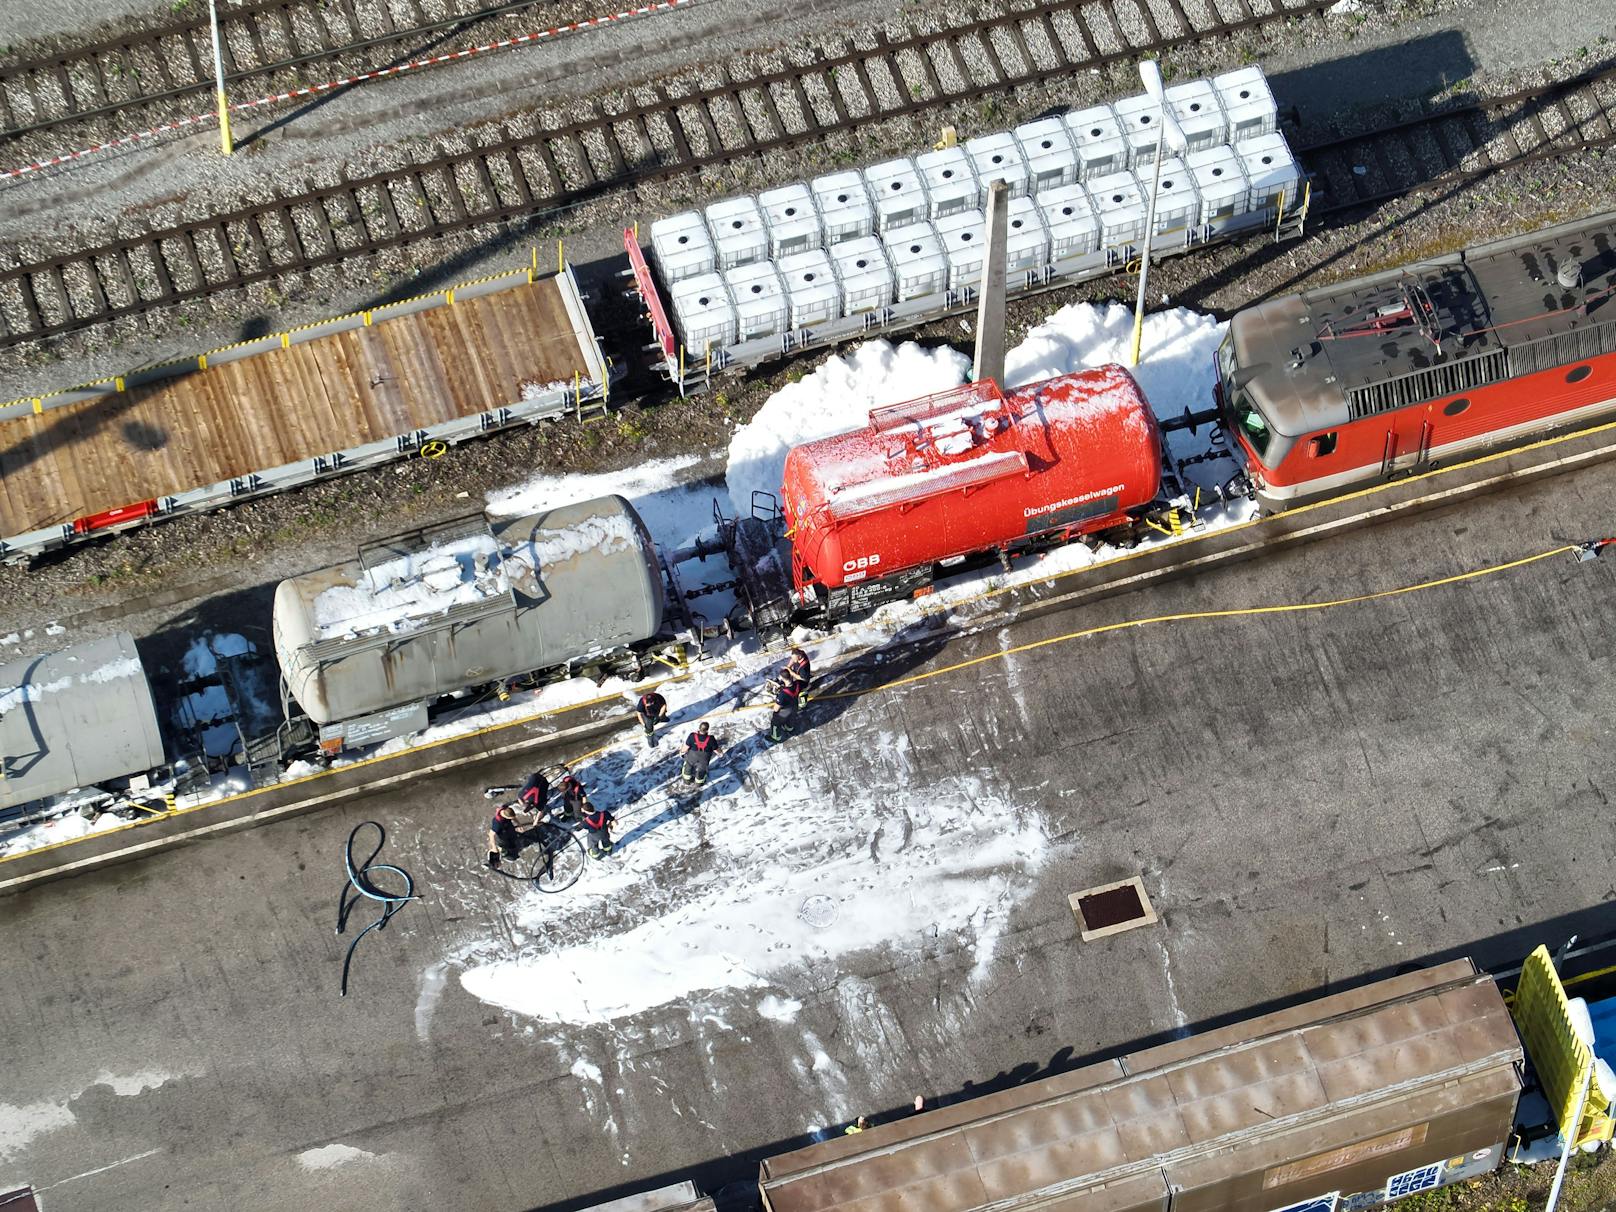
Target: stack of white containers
(848, 243)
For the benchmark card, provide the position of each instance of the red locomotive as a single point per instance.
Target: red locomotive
(1391, 374)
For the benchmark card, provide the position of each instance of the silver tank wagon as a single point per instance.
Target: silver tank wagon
(365, 646)
(79, 718)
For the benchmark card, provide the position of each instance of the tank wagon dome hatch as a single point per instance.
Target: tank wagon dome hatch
(467, 602)
(967, 470)
(1443, 327)
(75, 718)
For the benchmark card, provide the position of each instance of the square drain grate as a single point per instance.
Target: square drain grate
(1112, 908)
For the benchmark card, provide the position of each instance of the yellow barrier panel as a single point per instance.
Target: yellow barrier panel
(1562, 1060)
(119, 382)
(39, 405)
(201, 361)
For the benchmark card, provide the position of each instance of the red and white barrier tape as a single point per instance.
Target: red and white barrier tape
(379, 74)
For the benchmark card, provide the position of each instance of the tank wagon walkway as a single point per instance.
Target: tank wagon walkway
(304, 399)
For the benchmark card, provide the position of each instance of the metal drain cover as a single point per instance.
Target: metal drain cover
(1112, 908)
(818, 910)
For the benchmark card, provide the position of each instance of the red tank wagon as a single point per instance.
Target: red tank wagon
(874, 512)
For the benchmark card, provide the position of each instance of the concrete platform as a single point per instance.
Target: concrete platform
(1309, 799)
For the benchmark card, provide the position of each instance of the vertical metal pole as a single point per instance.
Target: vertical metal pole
(1571, 1136)
(226, 144)
(989, 363)
(1144, 254)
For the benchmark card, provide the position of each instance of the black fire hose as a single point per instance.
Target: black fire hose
(360, 884)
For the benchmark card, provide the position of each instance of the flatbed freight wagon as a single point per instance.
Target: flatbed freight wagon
(400, 381)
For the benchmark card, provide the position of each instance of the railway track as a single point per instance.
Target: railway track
(151, 76)
(667, 133)
(1463, 142)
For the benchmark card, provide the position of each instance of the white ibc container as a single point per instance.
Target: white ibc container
(1177, 204)
(1073, 229)
(963, 236)
(739, 236)
(1097, 142)
(1119, 204)
(1140, 119)
(1270, 171)
(997, 158)
(865, 277)
(1221, 181)
(682, 246)
(812, 291)
(1047, 150)
(950, 181)
(792, 220)
(761, 306)
(919, 266)
(706, 317)
(897, 192)
(1026, 243)
(844, 207)
(1247, 103)
(1199, 112)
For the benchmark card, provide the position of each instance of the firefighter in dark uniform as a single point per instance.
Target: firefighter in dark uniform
(511, 829)
(574, 798)
(598, 821)
(535, 793)
(698, 750)
(798, 669)
(787, 703)
(652, 709)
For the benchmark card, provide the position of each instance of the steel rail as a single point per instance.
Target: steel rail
(86, 61)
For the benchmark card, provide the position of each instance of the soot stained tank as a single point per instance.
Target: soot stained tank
(80, 717)
(465, 603)
(970, 470)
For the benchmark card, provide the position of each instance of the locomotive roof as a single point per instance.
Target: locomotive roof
(1437, 328)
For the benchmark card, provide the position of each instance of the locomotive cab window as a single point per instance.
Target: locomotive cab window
(1321, 444)
(1252, 424)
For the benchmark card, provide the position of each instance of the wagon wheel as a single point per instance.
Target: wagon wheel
(558, 861)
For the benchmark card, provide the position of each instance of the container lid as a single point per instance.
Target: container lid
(1097, 124)
(840, 189)
(1217, 171)
(997, 156)
(680, 232)
(1045, 137)
(1267, 160)
(864, 259)
(808, 276)
(913, 247)
(946, 168)
(734, 216)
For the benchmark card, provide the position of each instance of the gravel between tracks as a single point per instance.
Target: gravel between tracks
(90, 587)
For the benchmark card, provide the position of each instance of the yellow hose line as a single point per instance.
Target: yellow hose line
(1241, 612)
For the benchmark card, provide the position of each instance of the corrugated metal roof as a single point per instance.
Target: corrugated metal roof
(1187, 1115)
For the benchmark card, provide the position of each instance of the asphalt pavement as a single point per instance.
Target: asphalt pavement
(1311, 800)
